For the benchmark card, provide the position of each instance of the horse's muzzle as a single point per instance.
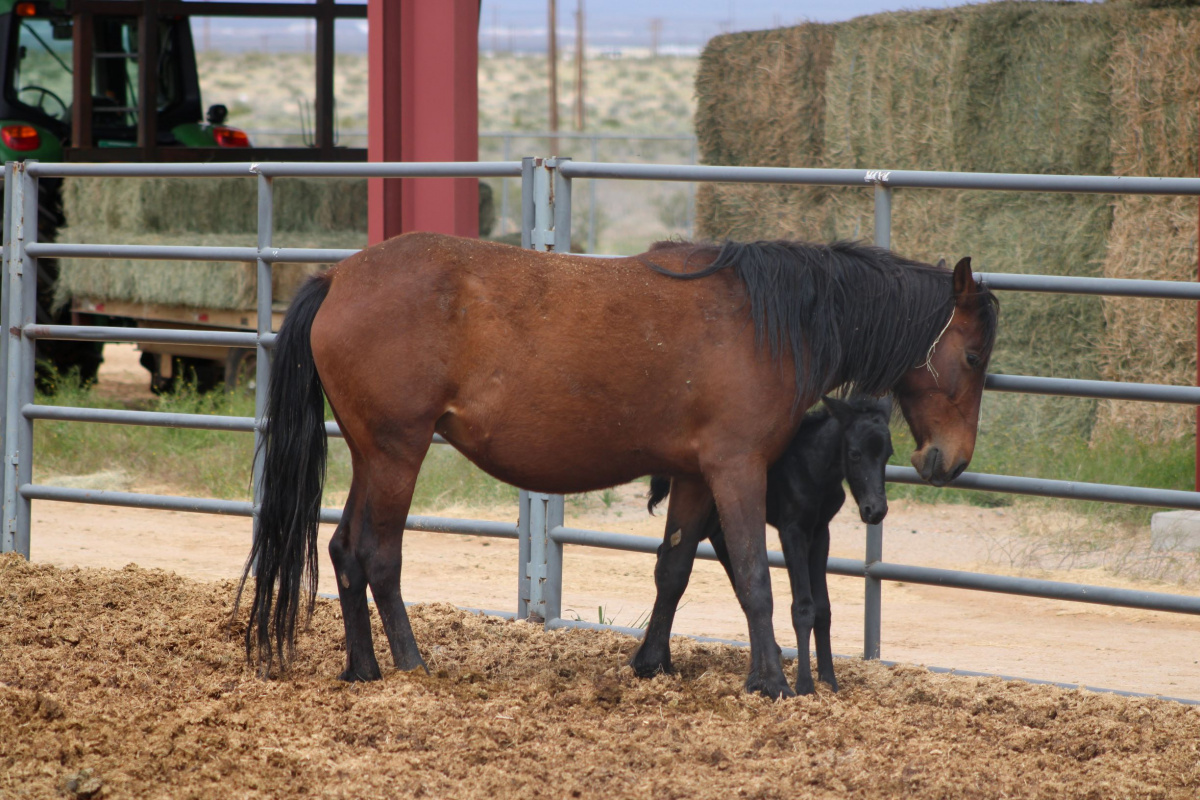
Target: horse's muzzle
(930, 464)
(873, 513)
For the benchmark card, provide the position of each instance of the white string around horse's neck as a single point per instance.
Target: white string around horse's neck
(929, 355)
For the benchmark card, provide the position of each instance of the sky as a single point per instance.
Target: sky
(521, 25)
(685, 24)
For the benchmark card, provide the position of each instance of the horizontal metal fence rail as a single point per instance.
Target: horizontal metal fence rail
(282, 169)
(546, 191)
(891, 179)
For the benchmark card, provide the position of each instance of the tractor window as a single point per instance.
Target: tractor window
(115, 74)
(42, 74)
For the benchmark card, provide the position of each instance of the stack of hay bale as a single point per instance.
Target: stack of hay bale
(1052, 88)
(327, 213)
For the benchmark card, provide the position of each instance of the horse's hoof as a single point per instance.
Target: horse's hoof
(412, 665)
(359, 676)
(804, 687)
(832, 681)
(773, 687)
(648, 667)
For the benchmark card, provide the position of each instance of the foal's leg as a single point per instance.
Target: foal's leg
(352, 593)
(796, 554)
(686, 517)
(818, 562)
(740, 489)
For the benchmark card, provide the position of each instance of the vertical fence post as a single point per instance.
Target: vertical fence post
(262, 356)
(546, 226)
(560, 199)
(528, 210)
(506, 153)
(8, 539)
(22, 299)
(541, 557)
(591, 245)
(873, 595)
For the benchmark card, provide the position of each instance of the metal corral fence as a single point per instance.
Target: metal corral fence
(546, 223)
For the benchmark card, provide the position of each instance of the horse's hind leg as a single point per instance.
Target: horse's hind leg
(352, 593)
(366, 552)
(686, 518)
(385, 514)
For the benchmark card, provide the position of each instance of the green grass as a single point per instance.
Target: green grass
(204, 463)
(216, 463)
(1119, 458)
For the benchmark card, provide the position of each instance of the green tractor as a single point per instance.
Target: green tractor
(39, 119)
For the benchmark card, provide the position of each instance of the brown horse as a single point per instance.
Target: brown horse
(562, 373)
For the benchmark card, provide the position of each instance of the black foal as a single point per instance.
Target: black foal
(848, 440)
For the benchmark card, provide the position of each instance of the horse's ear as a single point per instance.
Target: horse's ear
(942, 264)
(964, 282)
(884, 405)
(840, 410)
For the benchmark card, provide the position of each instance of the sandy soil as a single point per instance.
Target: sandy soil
(1051, 640)
(128, 684)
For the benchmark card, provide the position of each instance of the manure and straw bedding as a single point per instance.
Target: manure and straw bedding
(131, 683)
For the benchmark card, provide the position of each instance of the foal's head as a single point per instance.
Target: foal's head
(866, 446)
(940, 396)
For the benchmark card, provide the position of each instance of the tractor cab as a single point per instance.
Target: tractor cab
(43, 53)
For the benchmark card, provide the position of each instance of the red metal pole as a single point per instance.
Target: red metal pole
(383, 116)
(423, 106)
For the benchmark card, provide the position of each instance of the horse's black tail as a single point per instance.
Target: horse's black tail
(283, 556)
(660, 487)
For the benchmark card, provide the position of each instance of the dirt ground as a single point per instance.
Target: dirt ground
(1130, 650)
(127, 684)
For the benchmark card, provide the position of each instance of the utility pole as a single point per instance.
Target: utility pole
(552, 56)
(655, 33)
(579, 58)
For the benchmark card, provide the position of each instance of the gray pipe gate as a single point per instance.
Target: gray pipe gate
(546, 225)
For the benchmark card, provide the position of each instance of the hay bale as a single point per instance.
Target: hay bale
(216, 285)
(212, 205)
(212, 211)
(746, 83)
(1155, 73)
(999, 87)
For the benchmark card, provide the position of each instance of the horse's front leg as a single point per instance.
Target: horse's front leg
(818, 563)
(687, 514)
(740, 488)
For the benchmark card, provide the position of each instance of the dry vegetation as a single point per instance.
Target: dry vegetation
(127, 683)
(625, 96)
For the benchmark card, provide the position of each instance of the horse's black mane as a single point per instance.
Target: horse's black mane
(852, 315)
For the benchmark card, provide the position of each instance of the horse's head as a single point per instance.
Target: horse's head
(866, 447)
(940, 397)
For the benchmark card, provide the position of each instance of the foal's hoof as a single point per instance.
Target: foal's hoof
(351, 675)
(805, 686)
(774, 687)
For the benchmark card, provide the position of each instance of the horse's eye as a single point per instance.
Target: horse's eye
(973, 360)
(854, 455)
